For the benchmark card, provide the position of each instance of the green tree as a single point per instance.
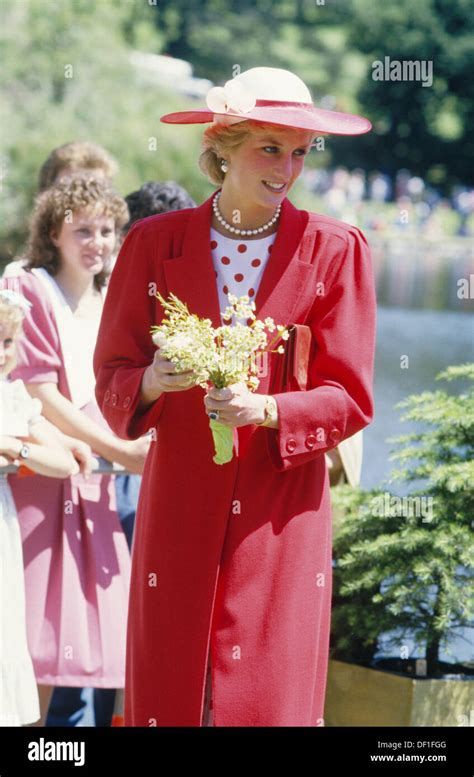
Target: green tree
(426, 129)
(219, 35)
(405, 564)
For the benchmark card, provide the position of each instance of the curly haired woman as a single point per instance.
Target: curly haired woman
(76, 557)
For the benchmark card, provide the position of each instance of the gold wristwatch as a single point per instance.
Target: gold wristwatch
(271, 411)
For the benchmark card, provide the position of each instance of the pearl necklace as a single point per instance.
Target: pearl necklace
(236, 231)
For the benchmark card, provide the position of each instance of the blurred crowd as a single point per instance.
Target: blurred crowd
(66, 533)
(403, 204)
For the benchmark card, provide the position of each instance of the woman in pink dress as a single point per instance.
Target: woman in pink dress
(77, 563)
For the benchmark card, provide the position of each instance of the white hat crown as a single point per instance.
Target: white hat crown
(273, 83)
(241, 93)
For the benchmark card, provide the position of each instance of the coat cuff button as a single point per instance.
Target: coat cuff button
(114, 399)
(126, 402)
(310, 441)
(107, 395)
(290, 445)
(335, 435)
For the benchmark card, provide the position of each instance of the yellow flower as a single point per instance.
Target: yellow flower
(224, 355)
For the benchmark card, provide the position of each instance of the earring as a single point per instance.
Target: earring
(224, 166)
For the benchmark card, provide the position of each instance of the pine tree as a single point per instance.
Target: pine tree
(404, 564)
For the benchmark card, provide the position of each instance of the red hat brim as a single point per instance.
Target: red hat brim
(310, 118)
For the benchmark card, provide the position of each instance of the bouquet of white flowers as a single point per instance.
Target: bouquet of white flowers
(220, 356)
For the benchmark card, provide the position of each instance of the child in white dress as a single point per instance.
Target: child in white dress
(25, 437)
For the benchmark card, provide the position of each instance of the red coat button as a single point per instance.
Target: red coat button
(107, 395)
(290, 445)
(310, 441)
(114, 399)
(335, 435)
(126, 402)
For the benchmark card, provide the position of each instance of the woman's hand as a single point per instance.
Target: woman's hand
(9, 447)
(133, 454)
(165, 377)
(162, 376)
(237, 405)
(82, 454)
(334, 465)
(49, 454)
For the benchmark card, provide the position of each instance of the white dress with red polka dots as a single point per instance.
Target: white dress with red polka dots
(239, 266)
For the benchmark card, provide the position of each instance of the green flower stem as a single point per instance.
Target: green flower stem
(223, 442)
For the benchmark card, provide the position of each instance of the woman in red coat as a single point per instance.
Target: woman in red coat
(231, 569)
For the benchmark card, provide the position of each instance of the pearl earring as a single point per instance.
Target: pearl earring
(224, 166)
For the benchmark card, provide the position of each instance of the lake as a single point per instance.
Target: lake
(432, 341)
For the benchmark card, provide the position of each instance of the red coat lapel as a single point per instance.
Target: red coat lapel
(191, 276)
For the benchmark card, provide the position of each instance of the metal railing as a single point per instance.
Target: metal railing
(100, 466)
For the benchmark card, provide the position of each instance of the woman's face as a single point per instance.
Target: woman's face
(8, 333)
(267, 156)
(86, 243)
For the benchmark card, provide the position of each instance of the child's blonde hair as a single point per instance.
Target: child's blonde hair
(11, 317)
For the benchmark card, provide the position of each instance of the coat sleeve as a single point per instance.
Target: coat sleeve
(340, 402)
(38, 348)
(124, 347)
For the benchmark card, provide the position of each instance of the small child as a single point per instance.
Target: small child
(25, 437)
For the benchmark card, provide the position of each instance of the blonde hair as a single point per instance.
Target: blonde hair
(72, 193)
(76, 156)
(219, 139)
(11, 316)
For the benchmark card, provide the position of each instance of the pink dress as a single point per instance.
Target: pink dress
(76, 558)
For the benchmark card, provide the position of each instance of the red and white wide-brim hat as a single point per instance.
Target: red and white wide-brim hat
(273, 96)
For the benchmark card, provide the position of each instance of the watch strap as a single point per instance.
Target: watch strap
(24, 451)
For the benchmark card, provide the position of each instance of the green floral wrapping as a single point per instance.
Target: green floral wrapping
(223, 442)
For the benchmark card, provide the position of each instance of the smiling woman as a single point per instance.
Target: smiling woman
(75, 552)
(257, 158)
(242, 551)
(75, 223)
(84, 244)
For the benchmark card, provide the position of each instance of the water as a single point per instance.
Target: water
(432, 341)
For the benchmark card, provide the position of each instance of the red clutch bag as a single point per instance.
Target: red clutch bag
(291, 373)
